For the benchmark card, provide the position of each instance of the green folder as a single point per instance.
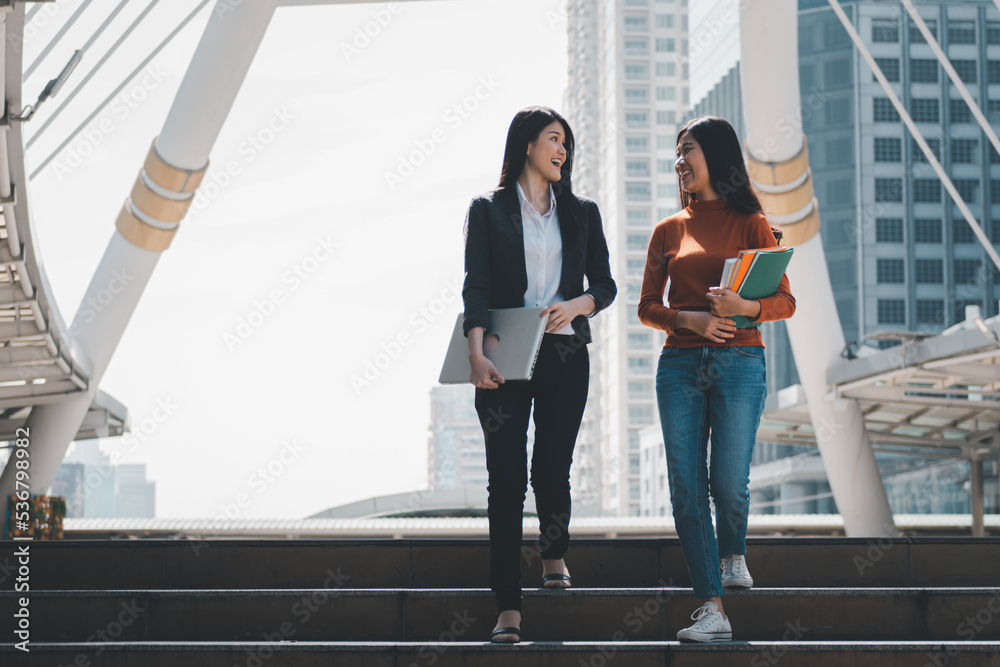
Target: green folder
(762, 280)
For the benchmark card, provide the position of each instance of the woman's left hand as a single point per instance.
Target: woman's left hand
(562, 313)
(726, 303)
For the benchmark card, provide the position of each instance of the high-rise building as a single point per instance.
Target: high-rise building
(627, 91)
(456, 451)
(135, 496)
(94, 488)
(900, 255)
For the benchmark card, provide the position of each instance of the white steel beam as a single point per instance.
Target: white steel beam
(206, 95)
(912, 127)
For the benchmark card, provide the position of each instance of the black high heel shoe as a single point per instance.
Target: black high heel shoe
(506, 631)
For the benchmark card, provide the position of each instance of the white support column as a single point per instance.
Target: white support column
(779, 165)
(149, 218)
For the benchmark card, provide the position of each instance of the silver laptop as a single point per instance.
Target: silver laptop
(512, 340)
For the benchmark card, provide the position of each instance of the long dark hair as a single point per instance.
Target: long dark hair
(724, 158)
(528, 123)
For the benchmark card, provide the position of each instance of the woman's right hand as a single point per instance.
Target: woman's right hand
(707, 325)
(484, 373)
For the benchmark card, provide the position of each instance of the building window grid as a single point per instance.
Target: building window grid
(891, 311)
(636, 145)
(959, 111)
(888, 149)
(927, 190)
(961, 232)
(666, 69)
(640, 390)
(929, 271)
(637, 169)
(961, 32)
(636, 120)
(888, 189)
(664, 20)
(889, 67)
(883, 111)
(666, 118)
(885, 31)
(993, 32)
(924, 70)
(966, 271)
(930, 311)
(927, 230)
(924, 110)
(637, 217)
(966, 70)
(636, 72)
(637, 242)
(968, 189)
(890, 271)
(666, 44)
(636, 96)
(636, 23)
(638, 341)
(666, 93)
(636, 47)
(993, 71)
(889, 230)
(965, 151)
(637, 191)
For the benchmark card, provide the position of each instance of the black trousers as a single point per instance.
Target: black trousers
(558, 389)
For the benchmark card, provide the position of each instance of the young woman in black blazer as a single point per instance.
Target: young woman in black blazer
(530, 242)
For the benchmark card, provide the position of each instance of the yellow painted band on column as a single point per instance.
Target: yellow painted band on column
(140, 234)
(169, 177)
(796, 233)
(786, 203)
(778, 173)
(157, 206)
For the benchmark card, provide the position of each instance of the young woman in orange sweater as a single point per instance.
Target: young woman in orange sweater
(711, 375)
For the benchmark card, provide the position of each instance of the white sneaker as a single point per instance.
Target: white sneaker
(709, 626)
(735, 573)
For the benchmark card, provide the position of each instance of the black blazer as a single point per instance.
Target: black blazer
(495, 274)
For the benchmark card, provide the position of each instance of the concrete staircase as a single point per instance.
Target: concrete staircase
(424, 602)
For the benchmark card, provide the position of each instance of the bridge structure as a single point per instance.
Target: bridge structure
(938, 393)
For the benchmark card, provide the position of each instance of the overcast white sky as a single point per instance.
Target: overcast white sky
(329, 126)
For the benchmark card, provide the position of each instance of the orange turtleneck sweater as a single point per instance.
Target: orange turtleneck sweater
(690, 248)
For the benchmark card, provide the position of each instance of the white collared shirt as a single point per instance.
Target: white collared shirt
(542, 254)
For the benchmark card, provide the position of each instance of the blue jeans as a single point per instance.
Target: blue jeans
(701, 389)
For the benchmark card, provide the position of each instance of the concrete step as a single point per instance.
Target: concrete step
(438, 563)
(526, 654)
(373, 615)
